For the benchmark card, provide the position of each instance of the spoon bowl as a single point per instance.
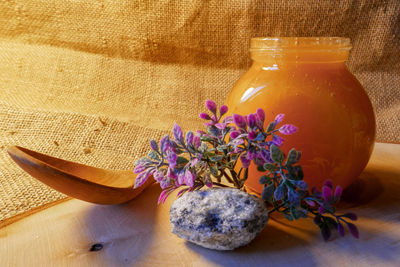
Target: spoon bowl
(77, 180)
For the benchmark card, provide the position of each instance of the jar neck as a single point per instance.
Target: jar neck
(295, 50)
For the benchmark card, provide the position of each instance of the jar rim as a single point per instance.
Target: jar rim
(297, 43)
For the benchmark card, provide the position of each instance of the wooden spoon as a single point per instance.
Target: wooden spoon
(77, 180)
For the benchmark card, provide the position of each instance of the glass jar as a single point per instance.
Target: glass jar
(308, 81)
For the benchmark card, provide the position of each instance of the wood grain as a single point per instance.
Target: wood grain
(138, 233)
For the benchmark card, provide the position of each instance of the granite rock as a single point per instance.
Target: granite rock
(218, 218)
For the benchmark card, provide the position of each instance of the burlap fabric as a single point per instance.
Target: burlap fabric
(140, 66)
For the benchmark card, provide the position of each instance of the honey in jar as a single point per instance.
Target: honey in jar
(307, 80)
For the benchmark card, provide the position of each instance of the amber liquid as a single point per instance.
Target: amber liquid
(335, 119)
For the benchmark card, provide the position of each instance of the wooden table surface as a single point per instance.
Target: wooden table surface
(138, 233)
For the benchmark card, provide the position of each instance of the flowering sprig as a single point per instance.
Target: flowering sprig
(193, 160)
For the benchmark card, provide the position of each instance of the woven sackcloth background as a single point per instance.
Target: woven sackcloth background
(93, 81)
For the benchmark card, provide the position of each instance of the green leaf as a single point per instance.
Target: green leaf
(318, 220)
(181, 161)
(292, 157)
(295, 172)
(294, 213)
(221, 148)
(276, 154)
(260, 137)
(291, 173)
(330, 222)
(142, 160)
(206, 138)
(261, 169)
(270, 167)
(213, 130)
(214, 170)
(264, 179)
(178, 151)
(271, 127)
(267, 192)
(216, 158)
(299, 172)
(153, 155)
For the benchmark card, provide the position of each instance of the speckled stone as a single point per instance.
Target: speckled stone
(220, 218)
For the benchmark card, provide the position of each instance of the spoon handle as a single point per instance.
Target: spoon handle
(39, 166)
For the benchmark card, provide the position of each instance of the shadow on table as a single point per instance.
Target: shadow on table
(125, 230)
(375, 195)
(378, 190)
(270, 248)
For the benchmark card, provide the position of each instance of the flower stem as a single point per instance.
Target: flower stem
(219, 184)
(276, 208)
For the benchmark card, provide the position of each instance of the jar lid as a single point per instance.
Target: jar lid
(302, 43)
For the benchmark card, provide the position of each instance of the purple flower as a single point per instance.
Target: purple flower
(288, 129)
(180, 193)
(252, 135)
(326, 193)
(311, 203)
(177, 131)
(181, 178)
(204, 116)
(171, 158)
(234, 134)
(328, 183)
(164, 144)
(239, 121)
(142, 178)
(353, 230)
(139, 168)
(153, 145)
(251, 120)
(166, 182)
(251, 154)
(222, 110)
(265, 155)
(261, 114)
(196, 141)
(158, 175)
(237, 149)
(321, 210)
(189, 178)
(220, 126)
(189, 138)
(279, 118)
(209, 123)
(228, 119)
(338, 192)
(208, 182)
(236, 142)
(245, 161)
(171, 174)
(277, 140)
(173, 145)
(211, 106)
(163, 196)
(193, 162)
(200, 133)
